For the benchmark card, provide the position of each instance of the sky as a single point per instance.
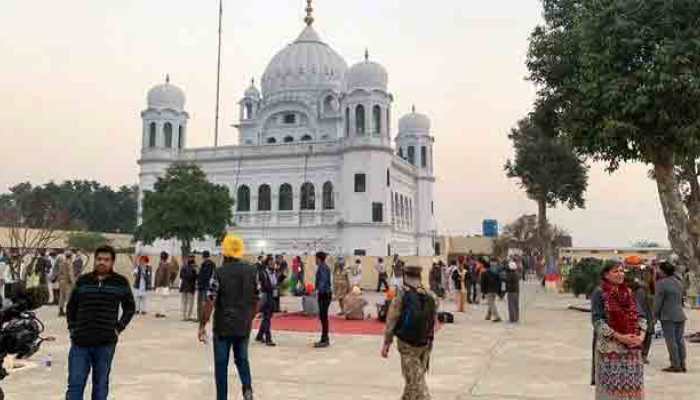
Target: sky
(74, 77)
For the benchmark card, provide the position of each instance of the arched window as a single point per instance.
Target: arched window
(401, 152)
(286, 202)
(388, 177)
(360, 120)
(308, 196)
(168, 133)
(329, 105)
(402, 214)
(388, 121)
(306, 138)
(376, 120)
(396, 207)
(347, 122)
(288, 139)
(393, 210)
(264, 198)
(271, 140)
(180, 137)
(243, 198)
(152, 134)
(248, 111)
(412, 155)
(328, 202)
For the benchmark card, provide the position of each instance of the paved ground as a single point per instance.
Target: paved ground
(546, 357)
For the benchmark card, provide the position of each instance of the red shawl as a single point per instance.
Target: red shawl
(621, 308)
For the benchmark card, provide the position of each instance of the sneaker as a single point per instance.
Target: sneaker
(248, 395)
(497, 320)
(672, 370)
(321, 345)
(259, 339)
(270, 344)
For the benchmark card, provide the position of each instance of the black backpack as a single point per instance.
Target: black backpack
(417, 321)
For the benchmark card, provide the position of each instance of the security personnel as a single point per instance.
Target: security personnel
(412, 318)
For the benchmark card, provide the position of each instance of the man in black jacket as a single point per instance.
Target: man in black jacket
(94, 324)
(205, 273)
(267, 278)
(233, 297)
(490, 288)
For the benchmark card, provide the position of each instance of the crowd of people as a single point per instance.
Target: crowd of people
(99, 304)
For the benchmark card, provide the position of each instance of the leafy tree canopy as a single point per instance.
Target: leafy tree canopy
(184, 205)
(624, 76)
(86, 241)
(545, 163)
(87, 205)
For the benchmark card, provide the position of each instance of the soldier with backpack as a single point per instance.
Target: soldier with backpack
(411, 319)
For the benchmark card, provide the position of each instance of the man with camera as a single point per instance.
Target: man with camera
(95, 324)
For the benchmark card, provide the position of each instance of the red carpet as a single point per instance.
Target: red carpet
(297, 322)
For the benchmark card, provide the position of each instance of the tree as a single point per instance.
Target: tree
(32, 223)
(184, 206)
(86, 241)
(89, 205)
(623, 76)
(547, 168)
(523, 235)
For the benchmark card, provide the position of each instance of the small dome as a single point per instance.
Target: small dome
(414, 122)
(367, 74)
(306, 64)
(166, 96)
(252, 91)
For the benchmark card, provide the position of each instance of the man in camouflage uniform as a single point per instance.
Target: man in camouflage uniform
(414, 360)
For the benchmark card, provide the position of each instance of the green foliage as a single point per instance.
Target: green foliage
(87, 205)
(185, 206)
(545, 163)
(86, 241)
(622, 76)
(521, 234)
(584, 276)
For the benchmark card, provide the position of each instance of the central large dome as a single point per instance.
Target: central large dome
(306, 64)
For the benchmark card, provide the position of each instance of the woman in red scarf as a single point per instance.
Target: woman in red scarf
(619, 332)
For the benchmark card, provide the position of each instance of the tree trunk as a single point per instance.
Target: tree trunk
(185, 247)
(692, 203)
(543, 233)
(675, 214)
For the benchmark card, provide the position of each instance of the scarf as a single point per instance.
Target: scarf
(620, 308)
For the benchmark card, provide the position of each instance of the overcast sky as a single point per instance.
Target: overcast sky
(74, 76)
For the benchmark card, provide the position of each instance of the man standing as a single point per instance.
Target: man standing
(398, 271)
(188, 285)
(233, 296)
(53, 278)
(205, 273)
(268, 287)
(143, 278)
(162, 283)
(95, 325)
(66, 281)
(382, 276)
(513, 292)
(668, 308)
(78, 264)
(491, 288)
(411, 319)
(325, 295)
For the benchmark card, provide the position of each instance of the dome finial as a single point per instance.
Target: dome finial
(413, 109)
(167, 78)
(366, 54)
(252, 82)
(309, 13)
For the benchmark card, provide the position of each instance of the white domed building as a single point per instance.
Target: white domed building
(317, 166)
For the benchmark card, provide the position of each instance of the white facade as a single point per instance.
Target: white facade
(315, 168)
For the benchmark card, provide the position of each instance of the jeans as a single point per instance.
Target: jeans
(187, 304)
(265, 331)
(222, 353)
(675, 343)
(80, 361)
(493, 309)
(324, 302)
(474, 289)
